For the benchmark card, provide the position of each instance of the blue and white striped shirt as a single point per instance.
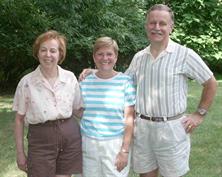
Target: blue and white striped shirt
(104, 103)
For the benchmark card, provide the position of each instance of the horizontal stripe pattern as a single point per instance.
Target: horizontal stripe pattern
(104, 103)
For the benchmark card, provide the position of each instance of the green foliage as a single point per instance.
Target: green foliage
(197, 25)
(81, 21)
(21, 21)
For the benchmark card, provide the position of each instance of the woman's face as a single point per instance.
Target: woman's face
(105, 59)
(48, 54)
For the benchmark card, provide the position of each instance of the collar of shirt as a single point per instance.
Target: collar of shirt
(37, 76)
(170, 48)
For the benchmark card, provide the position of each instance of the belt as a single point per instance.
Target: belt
(50, 122)
(160, 119)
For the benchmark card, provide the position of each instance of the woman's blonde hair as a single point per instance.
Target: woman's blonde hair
(105, 42)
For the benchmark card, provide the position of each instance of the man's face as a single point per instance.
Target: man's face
(159, 26)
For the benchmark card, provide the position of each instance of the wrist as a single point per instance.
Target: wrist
(201, 111)
(123, 150)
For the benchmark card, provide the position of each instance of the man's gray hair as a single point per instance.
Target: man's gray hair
(162, 7)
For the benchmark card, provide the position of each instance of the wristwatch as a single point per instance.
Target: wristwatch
(202, 111)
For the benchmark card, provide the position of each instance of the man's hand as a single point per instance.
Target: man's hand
(192, 121)
(85, 73)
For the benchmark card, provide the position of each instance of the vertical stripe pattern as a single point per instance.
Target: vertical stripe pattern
(162, 82)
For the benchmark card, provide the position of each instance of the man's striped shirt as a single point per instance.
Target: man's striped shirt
(162, 82)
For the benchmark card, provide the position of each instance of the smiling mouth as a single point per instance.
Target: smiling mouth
(47, 61)
(156, 32)
(104, 63)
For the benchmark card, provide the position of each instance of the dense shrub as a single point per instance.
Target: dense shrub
(197, 26)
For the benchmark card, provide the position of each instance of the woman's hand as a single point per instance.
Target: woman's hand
(22, 161)
(19, 141)
(121, 160)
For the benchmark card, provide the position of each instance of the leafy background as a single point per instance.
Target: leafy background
(197, 25)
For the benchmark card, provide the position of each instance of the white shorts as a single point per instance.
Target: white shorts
(162, 145)
(99, 158)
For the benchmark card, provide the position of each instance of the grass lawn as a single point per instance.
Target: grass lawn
(206, 153)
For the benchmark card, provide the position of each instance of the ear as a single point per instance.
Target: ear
(172, 27)
(37, 56)
(94, 58)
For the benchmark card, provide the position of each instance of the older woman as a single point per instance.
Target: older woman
(107, 122)
(45, 99)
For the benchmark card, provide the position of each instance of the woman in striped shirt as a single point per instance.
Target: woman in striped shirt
(107, 122)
